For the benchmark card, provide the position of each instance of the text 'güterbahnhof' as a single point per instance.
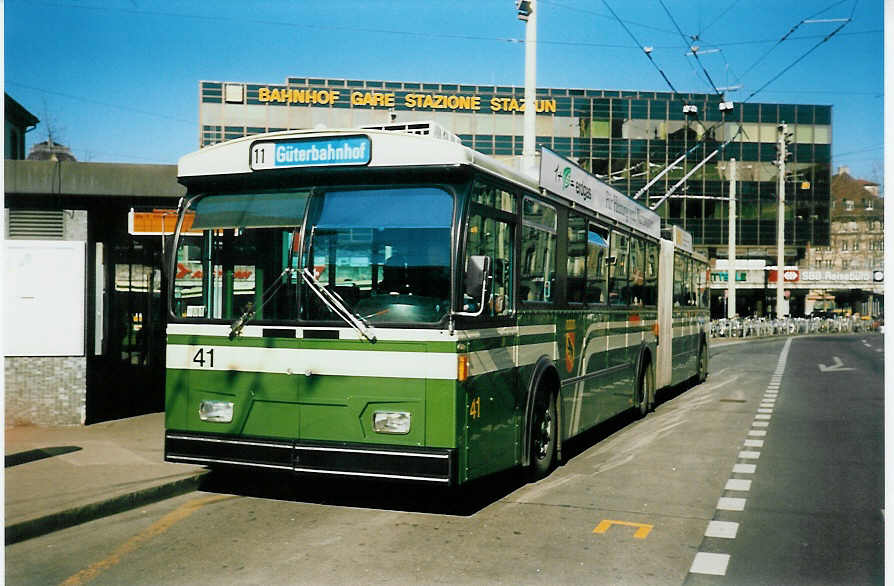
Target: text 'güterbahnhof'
(623, 137)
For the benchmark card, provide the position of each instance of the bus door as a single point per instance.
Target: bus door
(493, 404)
(684, 345)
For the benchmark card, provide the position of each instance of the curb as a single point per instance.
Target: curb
(78, 515)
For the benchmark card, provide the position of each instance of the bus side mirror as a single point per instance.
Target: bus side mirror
(477, 273)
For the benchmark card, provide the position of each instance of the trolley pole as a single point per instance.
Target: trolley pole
(780, 223)
(731, 255)
(529, 164)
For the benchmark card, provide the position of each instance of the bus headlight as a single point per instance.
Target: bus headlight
(391, 422)
(216, 411)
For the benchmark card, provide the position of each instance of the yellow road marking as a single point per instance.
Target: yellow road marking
(157, 528)
(642, 530)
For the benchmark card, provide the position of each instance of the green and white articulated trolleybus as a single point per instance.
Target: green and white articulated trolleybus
(392, 304)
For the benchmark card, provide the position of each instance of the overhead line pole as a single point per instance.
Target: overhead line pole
(780, 223)
(529, 162)
(731, 254)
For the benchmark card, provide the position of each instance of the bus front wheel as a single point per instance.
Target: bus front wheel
(543, 434)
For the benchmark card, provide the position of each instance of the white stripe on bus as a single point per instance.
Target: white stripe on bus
(433, 365)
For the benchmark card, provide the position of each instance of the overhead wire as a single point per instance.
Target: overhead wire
(788, 34)
(708, 131)
(690, 46)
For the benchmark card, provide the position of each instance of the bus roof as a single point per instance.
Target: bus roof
(367, 147)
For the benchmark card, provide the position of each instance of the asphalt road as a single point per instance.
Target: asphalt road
(813, 513)
(631, 505)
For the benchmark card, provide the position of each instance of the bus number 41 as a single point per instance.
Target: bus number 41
(203, 356)
(475, 408)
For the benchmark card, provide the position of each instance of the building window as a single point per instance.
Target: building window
(868, 204)
(844, 245)
(845, 265)
(848, 205)
(856, 245)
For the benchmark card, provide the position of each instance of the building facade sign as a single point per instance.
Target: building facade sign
(412, 100)
(789, 275)
(866, 276)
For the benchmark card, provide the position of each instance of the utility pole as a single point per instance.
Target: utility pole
(527, 11)
(780, 221)
(731, 255)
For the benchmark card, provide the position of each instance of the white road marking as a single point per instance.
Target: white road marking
(744, 468)
(764, 410)
(763, 416)
(728, 503)
(760, 424)
(722, 529)
(710, 563)
(749, 455)
(738, 484)
(757, 432)
(751, 443)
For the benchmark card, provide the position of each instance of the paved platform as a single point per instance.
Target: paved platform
(56, 477)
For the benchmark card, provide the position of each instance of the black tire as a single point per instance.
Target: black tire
(702, 374)
(544, 434)
(645, 389)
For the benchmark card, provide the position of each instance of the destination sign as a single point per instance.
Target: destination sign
(560, 176)
(311, 152)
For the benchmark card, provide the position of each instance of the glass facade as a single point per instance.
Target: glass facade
(624, 137)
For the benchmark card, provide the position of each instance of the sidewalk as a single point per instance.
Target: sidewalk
(56, 477)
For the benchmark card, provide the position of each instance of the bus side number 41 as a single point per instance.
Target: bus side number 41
(475, 408)
(204, 356)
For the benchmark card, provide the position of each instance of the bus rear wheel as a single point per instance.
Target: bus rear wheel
(702, 362)
(543, 434)
(645, 389)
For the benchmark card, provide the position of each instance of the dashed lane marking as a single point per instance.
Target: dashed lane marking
(722, 529)
(714, 564)
(729, 503)
(738, 484)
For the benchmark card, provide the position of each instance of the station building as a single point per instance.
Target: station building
(623, 137)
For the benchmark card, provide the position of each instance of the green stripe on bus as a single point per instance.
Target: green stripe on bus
(300, 343)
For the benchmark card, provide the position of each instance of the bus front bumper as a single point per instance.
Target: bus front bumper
(431, 465)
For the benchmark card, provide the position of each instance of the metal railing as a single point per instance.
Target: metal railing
(759, 327)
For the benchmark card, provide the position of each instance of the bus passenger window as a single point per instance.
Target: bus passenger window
(618, 291)
(538, 252)
(577, 257)
(597, 249)
(637, 274)
(650, 288)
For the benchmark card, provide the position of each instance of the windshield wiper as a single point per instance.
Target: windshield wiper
(337, 305)
(251, 310)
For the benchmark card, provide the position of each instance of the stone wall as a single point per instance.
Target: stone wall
(45, 390)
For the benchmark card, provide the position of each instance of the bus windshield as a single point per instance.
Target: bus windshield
(385, 252)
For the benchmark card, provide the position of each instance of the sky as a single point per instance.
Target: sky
(117, 80)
